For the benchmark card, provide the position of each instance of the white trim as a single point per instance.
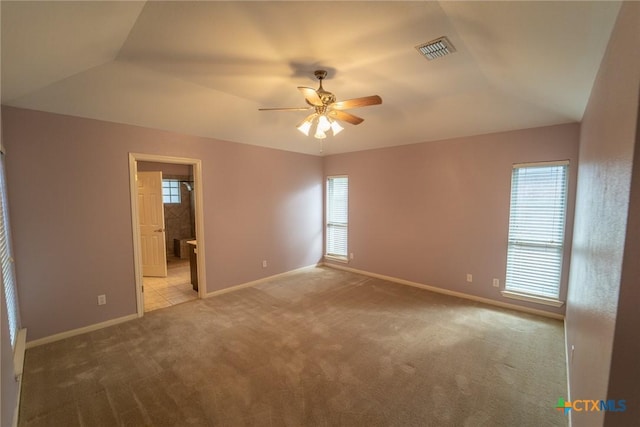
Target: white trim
(334, 257)
(541, 164)
(18, 367)
(337, 258)
(532, 298)
(448, 292)
(18, 352)
(96, 326)
(199, 202)
(79, 331)
(16, 410)
(137, 250)
(259, 281)
(567, 356)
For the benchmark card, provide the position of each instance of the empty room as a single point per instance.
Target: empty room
(320, 213)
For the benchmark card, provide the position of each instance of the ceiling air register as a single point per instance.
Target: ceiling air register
(436, 48)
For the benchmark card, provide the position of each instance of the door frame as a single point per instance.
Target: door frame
(196, 164)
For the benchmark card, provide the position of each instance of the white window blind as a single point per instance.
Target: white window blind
(6, 260)
(536, 229)
(337, 215)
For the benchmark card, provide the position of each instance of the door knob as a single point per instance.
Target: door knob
(159, 230)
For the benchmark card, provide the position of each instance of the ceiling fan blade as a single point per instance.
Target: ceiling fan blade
(286, 109)
(311, 96)
(357, 102)
(345, 117)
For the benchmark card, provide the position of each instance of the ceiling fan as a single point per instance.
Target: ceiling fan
(327, 111)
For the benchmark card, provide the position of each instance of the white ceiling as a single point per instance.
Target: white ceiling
(204, 68)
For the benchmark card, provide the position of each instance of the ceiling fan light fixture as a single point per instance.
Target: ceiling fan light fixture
(336, 128)
(324, 124)
(319, 134)
(305, 127)
(327, 111)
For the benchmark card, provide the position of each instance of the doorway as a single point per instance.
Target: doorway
(167, 231)
(185, 273)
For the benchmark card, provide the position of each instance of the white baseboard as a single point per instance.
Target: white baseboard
(96, 326)
(567, 353)
(18, 352)
(18, 366)
(258, 281)
(448, 292)
(83, 330)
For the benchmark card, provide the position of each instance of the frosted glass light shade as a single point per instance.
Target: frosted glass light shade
(336, 128)
(304, 127)
(323, 124)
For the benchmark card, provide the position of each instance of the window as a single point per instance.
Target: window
(6, 261)
(171, 191)
(536, 231)
(337, 216)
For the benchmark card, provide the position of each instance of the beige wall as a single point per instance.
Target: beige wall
(447, 204)
(624, 376)
(602, 312)
(71, 211)
(433, 212)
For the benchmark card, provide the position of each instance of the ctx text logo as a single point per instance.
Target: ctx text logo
(591, 405)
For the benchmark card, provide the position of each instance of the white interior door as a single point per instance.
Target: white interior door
(152, 233)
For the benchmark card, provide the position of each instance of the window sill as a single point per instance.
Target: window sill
(532, 298)
(336, 258)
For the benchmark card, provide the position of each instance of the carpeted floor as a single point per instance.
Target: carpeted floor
(317, 348)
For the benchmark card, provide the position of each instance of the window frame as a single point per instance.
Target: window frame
(518, 246)
(171, 195)
(331, 223)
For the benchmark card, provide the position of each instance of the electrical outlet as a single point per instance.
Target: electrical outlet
(496, 283)
(351, 255)
(102, 299)
(264, 263)
(469, 277)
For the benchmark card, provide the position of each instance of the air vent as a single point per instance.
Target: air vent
(436, 48)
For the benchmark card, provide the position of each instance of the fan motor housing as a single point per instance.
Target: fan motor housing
(320, 74)
(325, 96)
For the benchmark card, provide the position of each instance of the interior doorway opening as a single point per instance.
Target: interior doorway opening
(180, 230)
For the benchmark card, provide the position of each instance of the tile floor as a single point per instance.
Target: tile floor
(161, 292)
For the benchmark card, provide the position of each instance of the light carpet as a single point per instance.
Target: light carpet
(321, 347)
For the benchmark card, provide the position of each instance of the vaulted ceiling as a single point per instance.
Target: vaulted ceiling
(204, 68)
